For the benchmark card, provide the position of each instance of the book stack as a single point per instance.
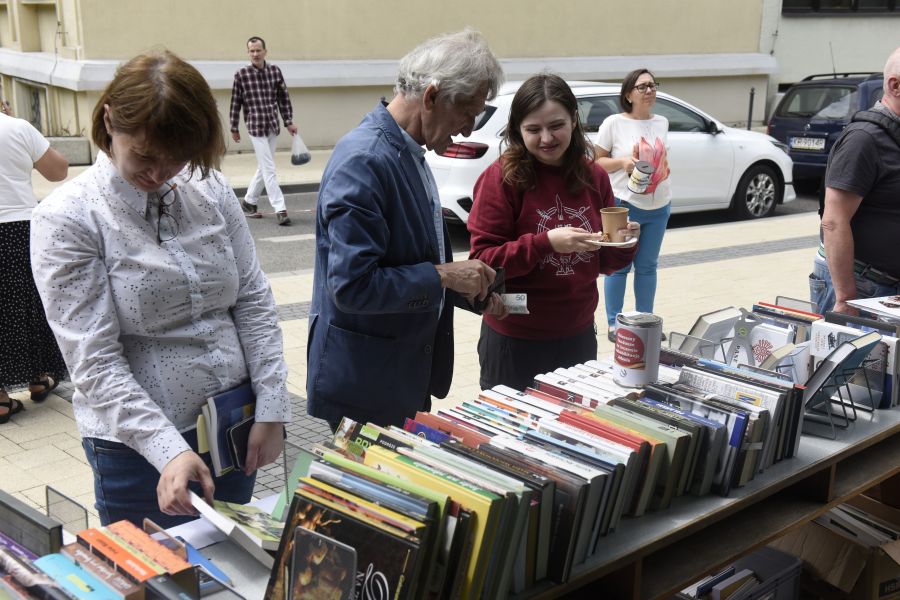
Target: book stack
(115, 562)
(223, 428)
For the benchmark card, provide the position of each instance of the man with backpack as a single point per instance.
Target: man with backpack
(861, 218)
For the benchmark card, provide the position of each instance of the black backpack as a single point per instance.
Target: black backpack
(889, 125)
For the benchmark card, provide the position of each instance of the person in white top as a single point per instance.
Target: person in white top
(624, 139)
(28, 352)
(152, 286)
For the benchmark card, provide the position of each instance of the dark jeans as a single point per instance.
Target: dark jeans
(125, 483)
(514, 362)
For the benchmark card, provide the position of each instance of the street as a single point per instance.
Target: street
(292, 249)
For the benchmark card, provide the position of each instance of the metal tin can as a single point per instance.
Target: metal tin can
(636, 356)
(640, 177)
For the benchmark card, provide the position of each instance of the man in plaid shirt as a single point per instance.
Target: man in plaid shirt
(259, 88)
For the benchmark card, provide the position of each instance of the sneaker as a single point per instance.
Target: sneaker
(250, 210)
(283, 219)
(611, 334)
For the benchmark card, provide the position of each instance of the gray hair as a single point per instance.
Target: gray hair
(458, 64)
(891, 67)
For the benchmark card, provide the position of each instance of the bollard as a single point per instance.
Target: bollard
(750, 109)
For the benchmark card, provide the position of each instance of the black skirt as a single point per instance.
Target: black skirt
(27, 346)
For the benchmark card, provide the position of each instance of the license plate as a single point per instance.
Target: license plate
(805, 143)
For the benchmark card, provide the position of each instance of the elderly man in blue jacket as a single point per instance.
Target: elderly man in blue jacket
(381, 321)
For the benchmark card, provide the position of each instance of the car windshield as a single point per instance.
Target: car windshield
(819, 102)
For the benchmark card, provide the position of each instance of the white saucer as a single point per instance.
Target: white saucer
(627, 244)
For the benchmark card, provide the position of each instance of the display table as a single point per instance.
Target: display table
(660, 553)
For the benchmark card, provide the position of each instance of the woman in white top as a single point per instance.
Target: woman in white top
(151, 284)
(29, 355)
(623, 139)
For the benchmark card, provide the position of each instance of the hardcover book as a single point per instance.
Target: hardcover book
(76, 581)
(125, 588)
(20, 573)
(28, 527)
(223, 411)
(322, 568)
(384, 561)
(255, 539)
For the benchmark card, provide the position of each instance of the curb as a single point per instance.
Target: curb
(286, 188)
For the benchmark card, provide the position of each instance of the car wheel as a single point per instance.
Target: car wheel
(757, 194)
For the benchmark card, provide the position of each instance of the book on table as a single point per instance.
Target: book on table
(321, 567)
(256, 540)
(887, 307)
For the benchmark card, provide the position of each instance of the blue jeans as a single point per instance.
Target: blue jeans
(125, 483)
(653, 227)
(821, 288)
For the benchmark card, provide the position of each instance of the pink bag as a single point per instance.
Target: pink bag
(655, 155)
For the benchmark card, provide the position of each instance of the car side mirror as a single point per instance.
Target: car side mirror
(712, 127)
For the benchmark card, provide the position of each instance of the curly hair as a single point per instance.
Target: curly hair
(518, 163)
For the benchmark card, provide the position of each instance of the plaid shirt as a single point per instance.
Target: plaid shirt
(258, 91)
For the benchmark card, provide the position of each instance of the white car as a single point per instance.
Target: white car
(713, 166)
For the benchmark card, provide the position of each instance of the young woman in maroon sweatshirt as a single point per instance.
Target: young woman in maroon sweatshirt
(537, 214)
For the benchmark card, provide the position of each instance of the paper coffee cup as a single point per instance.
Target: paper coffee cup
(613, 219)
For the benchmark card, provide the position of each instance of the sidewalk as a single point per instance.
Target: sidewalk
(701, 269)
(239, 169)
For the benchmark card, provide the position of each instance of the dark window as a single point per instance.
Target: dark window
(826, 102)
(484, 117)
(839, 6)
(680, 118)
(592, 111)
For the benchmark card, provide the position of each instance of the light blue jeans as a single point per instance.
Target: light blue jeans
(653, 227)
(821, 288)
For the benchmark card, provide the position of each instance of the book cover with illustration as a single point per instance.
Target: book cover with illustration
(322, 568)
(385, 562)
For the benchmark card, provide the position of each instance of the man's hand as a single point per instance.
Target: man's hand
(470, 278)
(496, 307)
(263, 446)
(236, 136)
(843, 307)
(172, 491)
(292, 129)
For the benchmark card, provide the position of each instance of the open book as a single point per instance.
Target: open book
(249, 527)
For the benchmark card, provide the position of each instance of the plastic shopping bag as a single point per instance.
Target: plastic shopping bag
(299, 152)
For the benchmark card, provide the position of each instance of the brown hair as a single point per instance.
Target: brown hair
(169, 101)
(518, 163)
(628, 84)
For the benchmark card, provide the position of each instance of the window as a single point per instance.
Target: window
(680, 118)
(840, 6)
(826, 102)
(593, 110)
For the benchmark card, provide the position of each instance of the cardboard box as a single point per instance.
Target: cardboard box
(862, 572)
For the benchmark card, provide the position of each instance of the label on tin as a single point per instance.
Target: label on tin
(636, 355)
(640, 177)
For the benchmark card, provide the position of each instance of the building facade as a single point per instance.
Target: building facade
(339, 56)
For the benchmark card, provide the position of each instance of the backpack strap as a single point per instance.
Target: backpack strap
(890, 126)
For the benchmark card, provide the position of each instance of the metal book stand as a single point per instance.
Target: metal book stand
(834, 407)
(697, 346)
(69, 512)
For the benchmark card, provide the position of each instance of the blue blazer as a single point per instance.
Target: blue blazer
(379, 344)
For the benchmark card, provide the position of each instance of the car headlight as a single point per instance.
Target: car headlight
(781, 146)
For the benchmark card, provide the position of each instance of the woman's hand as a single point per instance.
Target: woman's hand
(632, 231)
(264, 445)
(172, 491)
(565, 240)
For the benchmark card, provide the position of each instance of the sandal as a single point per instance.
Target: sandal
(48, 383)
(12, 407)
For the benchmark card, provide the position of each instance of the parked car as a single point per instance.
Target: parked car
(713, 166)
(812, 113)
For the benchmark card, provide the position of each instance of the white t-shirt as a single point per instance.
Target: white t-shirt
(21, 145)
(617, 135)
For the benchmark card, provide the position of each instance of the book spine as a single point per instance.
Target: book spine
(152, 549)
(16, 548)
(75, 580)
(123, 561)
(126, 589)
